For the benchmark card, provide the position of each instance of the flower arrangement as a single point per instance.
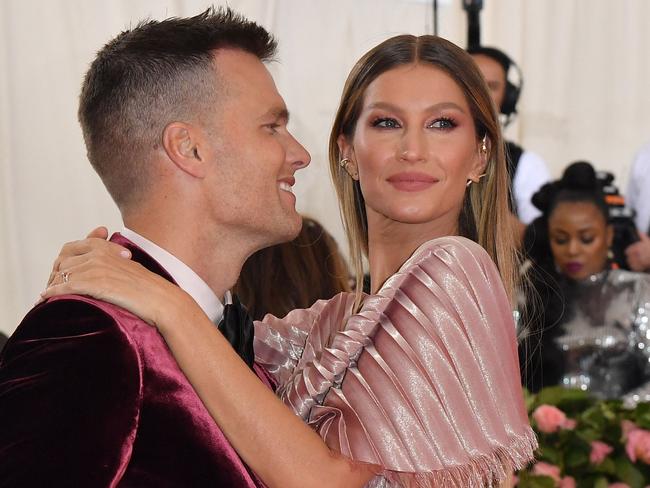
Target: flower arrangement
(585, 442)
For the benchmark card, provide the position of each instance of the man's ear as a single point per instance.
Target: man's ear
(182, 144)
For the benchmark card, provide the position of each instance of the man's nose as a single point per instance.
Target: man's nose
(298, 155)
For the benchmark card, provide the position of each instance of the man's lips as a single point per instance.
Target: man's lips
(411, 181)
(286, 183)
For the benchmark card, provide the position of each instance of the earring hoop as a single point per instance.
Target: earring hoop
(345, 164)
(478, 179)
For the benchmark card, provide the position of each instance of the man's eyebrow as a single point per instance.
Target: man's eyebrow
(277, 113)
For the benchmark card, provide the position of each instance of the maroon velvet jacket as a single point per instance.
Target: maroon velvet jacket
(90, 396)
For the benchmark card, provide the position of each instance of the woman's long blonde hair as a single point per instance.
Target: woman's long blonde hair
(485, 217)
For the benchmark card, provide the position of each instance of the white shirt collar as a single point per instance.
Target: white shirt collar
(183, 275)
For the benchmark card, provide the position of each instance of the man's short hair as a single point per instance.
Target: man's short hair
(149, 76)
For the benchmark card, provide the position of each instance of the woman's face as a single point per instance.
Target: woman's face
(415, 146)
(580, 239)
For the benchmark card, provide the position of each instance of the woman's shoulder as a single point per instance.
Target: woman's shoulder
(640, 281)
(442, 258)
(623, 276)
(447, 248)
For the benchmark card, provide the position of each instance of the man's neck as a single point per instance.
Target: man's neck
(216, 260)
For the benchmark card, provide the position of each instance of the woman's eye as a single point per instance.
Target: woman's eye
(385, 123)
(587, 239)
(560, 241)
(443, 123)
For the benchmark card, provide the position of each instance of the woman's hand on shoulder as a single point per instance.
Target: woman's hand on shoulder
(96, 240)
(103, 270)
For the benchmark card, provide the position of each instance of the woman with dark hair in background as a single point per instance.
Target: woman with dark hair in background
(593, 322)
(416, 384)
(293, 274)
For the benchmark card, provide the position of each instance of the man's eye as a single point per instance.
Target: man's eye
(443, 123)
(385, 123)
(273, 128)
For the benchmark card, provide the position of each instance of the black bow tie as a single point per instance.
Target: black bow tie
(237, 327)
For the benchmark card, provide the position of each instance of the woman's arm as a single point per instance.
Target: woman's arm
(276, 444)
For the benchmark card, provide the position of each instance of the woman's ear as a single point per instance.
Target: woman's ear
(609, 235)
(345, 148)
(184, 147)
(347, 161)
(480, 162)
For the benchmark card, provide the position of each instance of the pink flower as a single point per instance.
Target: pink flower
(545, 469)
(638, 445)
(549, 419)
(599, 451)
(569, 424)
(567, 482)
(627, 426)
(618, 485)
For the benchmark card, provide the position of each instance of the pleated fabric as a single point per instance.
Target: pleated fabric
(422, 382)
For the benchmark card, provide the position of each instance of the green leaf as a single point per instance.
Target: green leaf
(601, 483)
(588, 434)
(550, 454)
(608, 466)
(527, 480)
(576, 458)
(642, 415)
(556, 395)
(594, 418)
(628, 473)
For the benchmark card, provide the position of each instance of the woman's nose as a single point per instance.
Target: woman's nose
(412, 147)
(574, 247)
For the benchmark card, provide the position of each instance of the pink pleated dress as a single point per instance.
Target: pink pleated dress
(422, 382)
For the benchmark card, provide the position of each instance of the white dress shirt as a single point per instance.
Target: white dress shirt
(530, 175)
(183, 275)
(638, 189)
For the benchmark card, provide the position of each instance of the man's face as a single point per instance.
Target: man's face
(252, 154)
(494, 76)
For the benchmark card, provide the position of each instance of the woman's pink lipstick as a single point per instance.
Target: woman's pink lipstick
(411, 181)
(573, 268)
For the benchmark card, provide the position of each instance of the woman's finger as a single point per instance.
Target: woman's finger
(101, 256)
(85, 246)
(100, 232)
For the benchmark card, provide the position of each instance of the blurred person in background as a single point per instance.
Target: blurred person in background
(527, 170)
(295, 274)
(638, 199)
(588, 326)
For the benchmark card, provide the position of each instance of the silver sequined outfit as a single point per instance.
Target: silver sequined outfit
(606, 339)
